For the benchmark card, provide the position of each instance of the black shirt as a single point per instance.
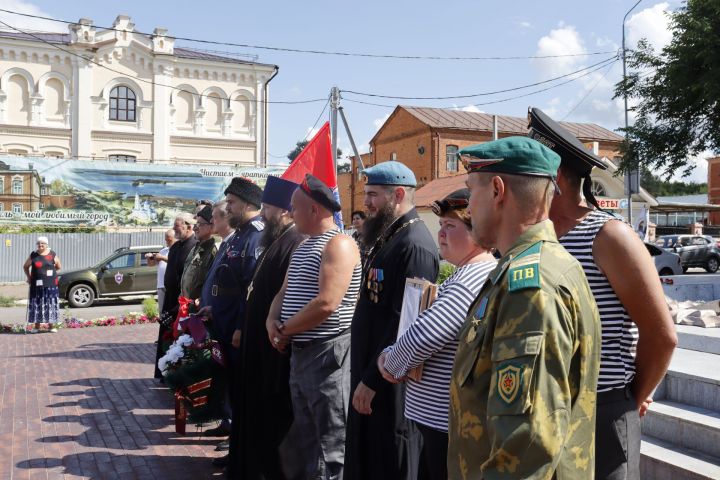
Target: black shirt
(408, 251)
(173, 272)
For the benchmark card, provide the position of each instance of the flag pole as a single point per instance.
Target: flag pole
(334, 102)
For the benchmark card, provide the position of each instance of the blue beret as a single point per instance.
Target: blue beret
(390, 173)
(278, 192)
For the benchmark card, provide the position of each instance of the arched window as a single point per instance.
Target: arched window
(17, 186)
(17, 207)
(598, 189)
(122, 104)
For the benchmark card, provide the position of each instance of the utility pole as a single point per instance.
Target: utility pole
(334, 104)
(628, 175)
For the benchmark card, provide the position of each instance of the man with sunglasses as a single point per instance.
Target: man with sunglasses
(200, 257)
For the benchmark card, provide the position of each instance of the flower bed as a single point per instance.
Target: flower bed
(131, 318)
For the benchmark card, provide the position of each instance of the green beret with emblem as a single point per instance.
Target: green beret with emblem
(511, 155)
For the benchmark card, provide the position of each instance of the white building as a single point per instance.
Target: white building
(125, 96)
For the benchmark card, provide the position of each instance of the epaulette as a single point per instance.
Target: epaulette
(258, 224)
(524, 270)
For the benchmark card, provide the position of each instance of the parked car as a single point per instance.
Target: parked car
(125, 272)
(666, 263)
(694, 250)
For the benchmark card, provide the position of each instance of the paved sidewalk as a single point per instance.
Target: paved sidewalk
(81, 404)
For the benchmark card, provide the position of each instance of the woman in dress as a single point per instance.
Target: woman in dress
(430, 340)
(41, 270)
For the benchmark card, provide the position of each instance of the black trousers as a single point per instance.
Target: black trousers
(433, 459)
(617, 436)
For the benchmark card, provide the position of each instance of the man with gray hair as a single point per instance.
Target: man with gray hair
(183, 228)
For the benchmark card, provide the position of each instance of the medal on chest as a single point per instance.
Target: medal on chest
(374, 284)
(477, 319)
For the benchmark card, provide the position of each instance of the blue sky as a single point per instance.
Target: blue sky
(419, 27)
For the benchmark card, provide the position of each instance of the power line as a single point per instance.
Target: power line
(508, 99)
(326, 52)
(150, 82)
(589, 91)
(317, 120)
(483, 94)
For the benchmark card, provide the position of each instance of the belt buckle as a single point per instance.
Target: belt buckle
(214, 290)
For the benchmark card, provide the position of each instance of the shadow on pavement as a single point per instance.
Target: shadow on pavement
(107, 352)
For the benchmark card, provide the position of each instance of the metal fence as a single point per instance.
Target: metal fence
(75, 250)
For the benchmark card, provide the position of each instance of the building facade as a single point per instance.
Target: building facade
(125, 96)
(427, 140)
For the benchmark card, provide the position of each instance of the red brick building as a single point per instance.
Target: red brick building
(713, 181)
(426, 140)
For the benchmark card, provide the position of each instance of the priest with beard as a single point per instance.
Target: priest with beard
(380, 442)
(262, 413)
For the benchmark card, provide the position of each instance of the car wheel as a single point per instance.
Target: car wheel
(665, 272)
(712, 265)
(81, 295)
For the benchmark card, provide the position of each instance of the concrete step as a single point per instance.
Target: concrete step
(684, 425)
(692, 379)
(660, 460)
(699, 339)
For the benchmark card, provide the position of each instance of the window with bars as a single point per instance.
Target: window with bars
(123, 158)
(17, 207)
(451, 163)
(122, 104)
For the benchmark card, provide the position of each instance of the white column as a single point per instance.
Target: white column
(161, 112)
(82, 121)
(258, 126)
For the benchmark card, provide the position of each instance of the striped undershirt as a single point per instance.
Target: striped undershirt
(619, 333)
(303, 286)
(432, 340)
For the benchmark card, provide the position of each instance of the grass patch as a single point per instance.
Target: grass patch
(6, 301)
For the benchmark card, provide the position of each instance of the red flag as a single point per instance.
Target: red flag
(316, 159)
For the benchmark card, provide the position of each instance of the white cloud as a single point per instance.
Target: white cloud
(27, 23)
(699, 173)
(378, 122)
(468, 108)
(651, 23)
(599, 106)
(525, 24)
(311, 132)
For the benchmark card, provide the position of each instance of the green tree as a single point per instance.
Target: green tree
(300, 146)
(677, 93)
(658, 187)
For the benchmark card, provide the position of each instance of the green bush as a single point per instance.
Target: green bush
(6, 301)
(446, 269)
(150, 308)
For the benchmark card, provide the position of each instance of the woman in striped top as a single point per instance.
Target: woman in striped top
(431, 340)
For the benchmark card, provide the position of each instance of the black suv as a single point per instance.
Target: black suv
(694, 250)
(125, 272)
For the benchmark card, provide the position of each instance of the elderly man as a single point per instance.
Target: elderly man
(381, 442)
(221, 224)
(314, 309)
(183, 228)
(624, 281)
(200, 257)
(262, 413)
(224, 293)
(522, 393)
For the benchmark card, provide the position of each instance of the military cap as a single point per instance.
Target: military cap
(321, 193)
(456, 202)
(512, 155)
(246, 190)
(278, 192)
(390, 173)
(205, 213)
(572, 152)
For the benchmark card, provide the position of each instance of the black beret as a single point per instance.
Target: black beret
(321, 193)
(206, 213)
(573, 153)
(246, 189)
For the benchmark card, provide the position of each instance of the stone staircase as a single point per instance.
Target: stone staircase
(681, 431)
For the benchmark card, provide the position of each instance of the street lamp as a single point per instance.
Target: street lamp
(628, 174)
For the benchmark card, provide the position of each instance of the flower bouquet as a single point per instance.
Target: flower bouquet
(193, 369)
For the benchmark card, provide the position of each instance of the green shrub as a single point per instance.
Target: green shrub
(150, 307)
(6, 301)
(446, 269)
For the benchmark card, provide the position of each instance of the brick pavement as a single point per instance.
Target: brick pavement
(82, 404)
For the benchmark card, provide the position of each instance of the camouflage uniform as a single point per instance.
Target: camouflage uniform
(196, 268)
(522, 395)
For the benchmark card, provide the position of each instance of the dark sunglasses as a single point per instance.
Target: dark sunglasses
(439, 207)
